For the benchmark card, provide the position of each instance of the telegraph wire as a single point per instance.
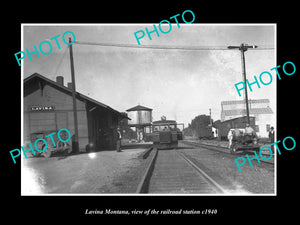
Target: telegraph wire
(60, 62)
(165, 47)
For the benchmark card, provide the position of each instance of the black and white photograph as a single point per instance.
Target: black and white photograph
(164, 109)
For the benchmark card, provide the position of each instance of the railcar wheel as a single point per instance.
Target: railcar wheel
(233, 149)
(47, 153)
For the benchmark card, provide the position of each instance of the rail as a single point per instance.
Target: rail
(170, 171)
(220, 149)
(143, 185)
(199, 170)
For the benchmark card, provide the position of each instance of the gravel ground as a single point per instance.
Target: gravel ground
(98, 172)
(258, 179)
(109, 172)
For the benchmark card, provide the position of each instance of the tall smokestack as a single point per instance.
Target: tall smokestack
(60, 80)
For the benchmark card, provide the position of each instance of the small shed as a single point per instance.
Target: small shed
(239, 122)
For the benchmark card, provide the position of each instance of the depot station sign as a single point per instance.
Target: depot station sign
(42, 108)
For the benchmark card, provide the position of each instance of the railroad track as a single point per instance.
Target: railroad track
(172, 172)
(226, 151)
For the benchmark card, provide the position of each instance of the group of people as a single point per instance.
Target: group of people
(236, 133)
(248, 134)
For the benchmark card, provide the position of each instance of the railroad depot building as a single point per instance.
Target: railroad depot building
(48, 106)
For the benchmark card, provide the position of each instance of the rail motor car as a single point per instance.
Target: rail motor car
(166, 133)
(244, 143)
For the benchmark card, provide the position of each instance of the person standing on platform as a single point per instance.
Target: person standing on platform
(230, 137)
(119, 138)
(271, 137)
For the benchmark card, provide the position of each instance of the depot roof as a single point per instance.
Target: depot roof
(34, 77)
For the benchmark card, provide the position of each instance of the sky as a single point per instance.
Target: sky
(179, 84)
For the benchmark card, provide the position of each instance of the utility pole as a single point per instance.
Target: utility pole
(75, 141)
(244, 47)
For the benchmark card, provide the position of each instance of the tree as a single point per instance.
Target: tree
(199, 126)
(200, 121)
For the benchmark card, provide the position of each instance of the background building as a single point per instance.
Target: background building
(258, 108)
(48, 106)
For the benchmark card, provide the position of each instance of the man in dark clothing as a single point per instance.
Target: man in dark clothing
(271, 137)
(119, 138)
(249, 134)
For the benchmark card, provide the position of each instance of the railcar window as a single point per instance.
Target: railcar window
(172, 127)
(166, 128)
(158, 128)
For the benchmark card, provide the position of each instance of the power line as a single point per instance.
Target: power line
(177, 47)
(61, 60)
